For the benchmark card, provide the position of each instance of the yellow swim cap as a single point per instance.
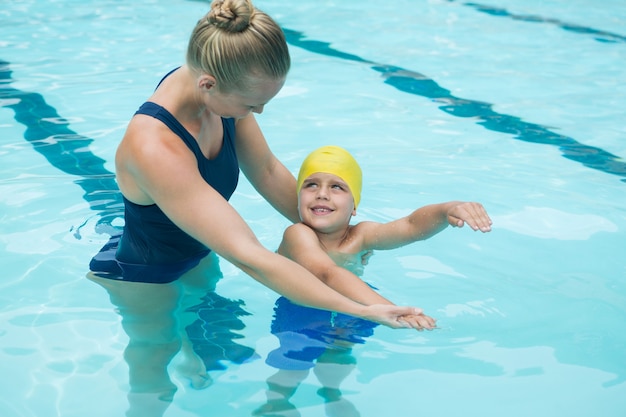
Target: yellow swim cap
(333, 160)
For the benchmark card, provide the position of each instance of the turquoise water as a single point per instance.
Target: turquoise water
(518, 105)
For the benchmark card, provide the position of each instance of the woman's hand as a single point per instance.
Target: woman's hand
(420, 321)
(398, 317)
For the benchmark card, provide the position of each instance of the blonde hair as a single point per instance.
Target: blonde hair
(235, 40)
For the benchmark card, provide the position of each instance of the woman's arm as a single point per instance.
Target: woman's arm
(301, 244)
(423, 223)
(264, 171)
(229, 236)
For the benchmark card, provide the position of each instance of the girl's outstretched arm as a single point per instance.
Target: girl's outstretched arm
(424, 223)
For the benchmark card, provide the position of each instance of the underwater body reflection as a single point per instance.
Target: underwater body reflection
(186, 316)
(317, 340)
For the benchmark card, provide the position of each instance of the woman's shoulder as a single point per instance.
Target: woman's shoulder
(149, 146)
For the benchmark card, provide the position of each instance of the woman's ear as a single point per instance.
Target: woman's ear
(206, 82)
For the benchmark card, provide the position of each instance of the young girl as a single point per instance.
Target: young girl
(324, 242)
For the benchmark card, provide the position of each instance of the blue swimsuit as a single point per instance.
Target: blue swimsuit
(152, 248)
(305, 333)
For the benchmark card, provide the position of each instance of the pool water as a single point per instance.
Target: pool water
(518, 105)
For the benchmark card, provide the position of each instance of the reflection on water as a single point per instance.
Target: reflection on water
(186, 316)
(317, 340)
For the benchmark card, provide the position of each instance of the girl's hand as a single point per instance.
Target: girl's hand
(474, 214)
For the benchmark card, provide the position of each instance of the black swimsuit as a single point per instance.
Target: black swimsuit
(152, 248)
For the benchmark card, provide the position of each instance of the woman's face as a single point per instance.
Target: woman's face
(238, 104)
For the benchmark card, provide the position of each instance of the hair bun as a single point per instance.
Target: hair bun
(231, 15)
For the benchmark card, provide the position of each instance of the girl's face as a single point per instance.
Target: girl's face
(238, 104)
(325, 203)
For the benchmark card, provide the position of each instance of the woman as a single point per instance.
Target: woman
(179, 161)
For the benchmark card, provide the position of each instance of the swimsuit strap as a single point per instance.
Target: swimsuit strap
(160, 113)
